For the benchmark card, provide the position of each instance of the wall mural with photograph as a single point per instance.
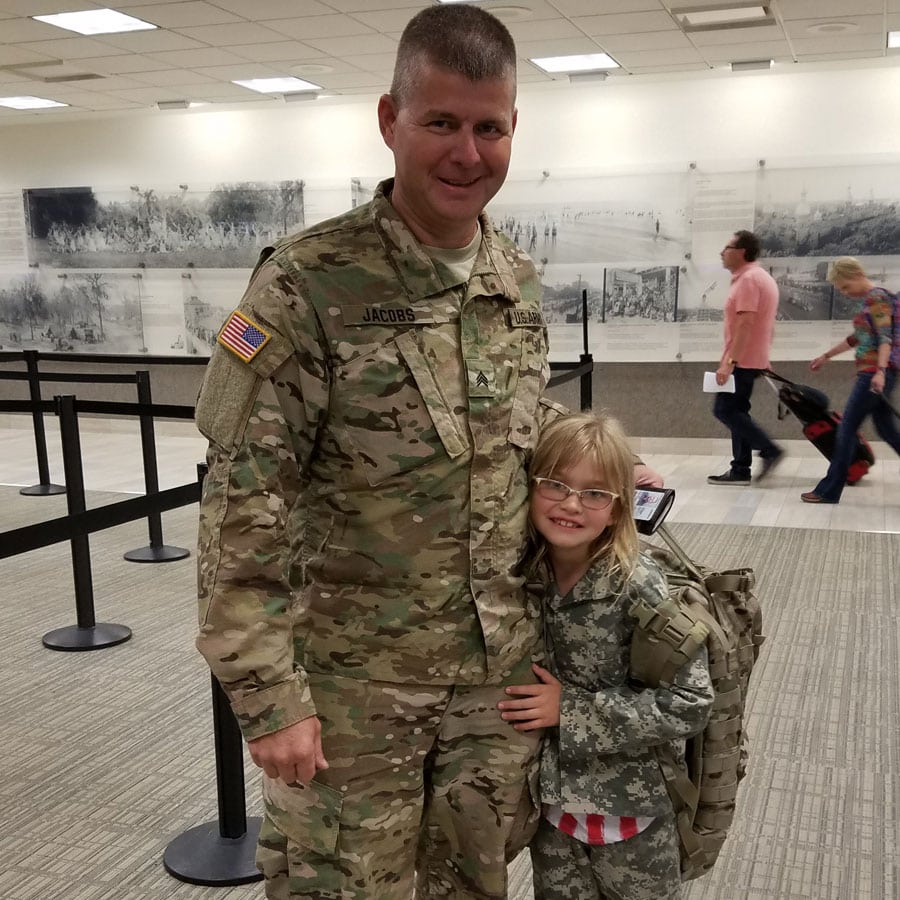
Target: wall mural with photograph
(155, 269)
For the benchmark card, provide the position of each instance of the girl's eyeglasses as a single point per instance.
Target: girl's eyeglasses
(591, 498)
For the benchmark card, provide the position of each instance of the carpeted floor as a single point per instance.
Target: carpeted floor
(107, 756)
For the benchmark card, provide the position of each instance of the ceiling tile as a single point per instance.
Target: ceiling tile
(559, 47)
(262, 10)
(279, 50)
(650, 40)
(814, 9)
(45, 7)
(14, 56)
(319, 27)
(241, 72)
(861, 25)
(632, 58)
(149, 41)
(127, 62)
(355, 6)
(763, 33)
(194, 59)
(15, 30)
(845, 43)
(172, 77)
(375, 62)
(184, 15)
(240, 33)
(71, 48)
(350, 46)
(625, 23)
(589, 7)
(534, 31)
(342, 80)
(759, 50)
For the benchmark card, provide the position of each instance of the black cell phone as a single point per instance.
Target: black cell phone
(651, 506)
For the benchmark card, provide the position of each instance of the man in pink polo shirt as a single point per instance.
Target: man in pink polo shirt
(749, 328)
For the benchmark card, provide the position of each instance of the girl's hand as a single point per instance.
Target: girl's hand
(876, 385)
(539, 706)
(818, 362)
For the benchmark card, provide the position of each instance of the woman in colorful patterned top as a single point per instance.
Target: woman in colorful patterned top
(872, 339)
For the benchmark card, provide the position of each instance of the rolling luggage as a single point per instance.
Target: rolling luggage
(820, 423)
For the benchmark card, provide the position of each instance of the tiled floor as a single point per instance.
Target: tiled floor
(112, 462)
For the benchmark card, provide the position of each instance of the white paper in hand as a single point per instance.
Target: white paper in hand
(710, 386)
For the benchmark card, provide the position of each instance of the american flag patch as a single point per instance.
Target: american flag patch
(242, 337)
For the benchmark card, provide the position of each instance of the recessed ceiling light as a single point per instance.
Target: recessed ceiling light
(312, 68)
(96, 21)
(893, 40)
(587, 62)
(29, 103)
(832, 27)
(284, 85)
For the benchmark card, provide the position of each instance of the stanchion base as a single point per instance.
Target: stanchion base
(202, 856)
(152, 554)
(42, 490)
(96, 637)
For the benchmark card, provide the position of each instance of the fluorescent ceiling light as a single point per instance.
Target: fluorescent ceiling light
(29, 103)
(588, 62)
(96, 21)
(749, 65)
(286, 85)
(723, 16)
(893, 40)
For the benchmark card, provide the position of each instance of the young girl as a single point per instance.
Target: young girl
(607, 828)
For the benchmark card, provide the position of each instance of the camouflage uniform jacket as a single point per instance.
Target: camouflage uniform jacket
(377, 535)
(600, 759)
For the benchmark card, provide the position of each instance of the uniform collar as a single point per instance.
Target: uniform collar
(420, 278)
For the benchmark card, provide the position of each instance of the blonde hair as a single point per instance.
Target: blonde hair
(846, 267)
(600, 439)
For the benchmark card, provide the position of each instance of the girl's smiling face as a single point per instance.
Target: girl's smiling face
(567, 525)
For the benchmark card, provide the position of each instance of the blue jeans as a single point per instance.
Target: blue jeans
(860, 404)
(733, 411)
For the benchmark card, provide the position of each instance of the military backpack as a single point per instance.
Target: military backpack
(717, 610)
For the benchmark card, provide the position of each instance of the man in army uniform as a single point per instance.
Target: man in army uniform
(370, 406)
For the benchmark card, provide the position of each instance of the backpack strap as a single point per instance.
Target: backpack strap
(684, 796)
(665, 638)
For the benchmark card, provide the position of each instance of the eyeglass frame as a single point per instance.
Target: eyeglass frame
(539, 480)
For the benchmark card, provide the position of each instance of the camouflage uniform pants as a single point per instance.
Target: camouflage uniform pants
(644, 867)
(425, 789)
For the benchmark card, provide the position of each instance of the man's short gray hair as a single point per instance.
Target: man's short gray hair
(462, 38)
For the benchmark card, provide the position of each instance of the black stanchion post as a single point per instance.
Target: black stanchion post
(87, 634)
(45, 488)
(157, 551)
(223, 852)
(586, 382)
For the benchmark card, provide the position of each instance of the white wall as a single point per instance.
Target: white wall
(806, 118)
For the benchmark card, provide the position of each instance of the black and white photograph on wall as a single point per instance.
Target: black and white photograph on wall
(209, 297)
(804, 292)
(143, 225)
(563, 288)
(564, 220)
(829, 212)
(649, 293)
(75, 311)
